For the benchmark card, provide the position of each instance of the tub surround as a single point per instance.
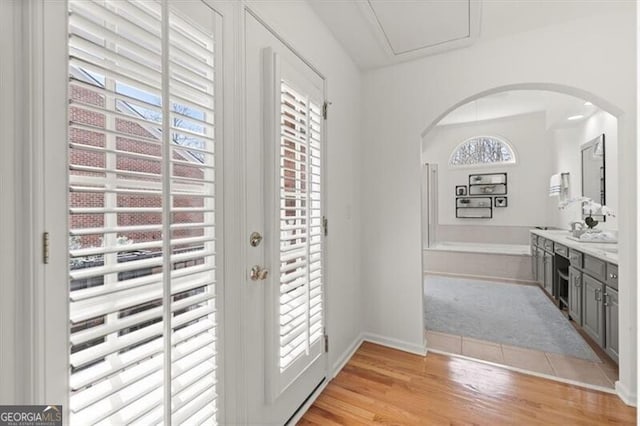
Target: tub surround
(494, 234)
(603, 251)
(480, 265)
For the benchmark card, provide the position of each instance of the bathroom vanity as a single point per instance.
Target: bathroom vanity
(583, 278)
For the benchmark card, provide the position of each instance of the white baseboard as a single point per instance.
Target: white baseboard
(346, 355)
(395, 343)
(625, 395)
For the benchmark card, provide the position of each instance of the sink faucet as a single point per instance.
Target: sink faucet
(573, 225)
(577, 228)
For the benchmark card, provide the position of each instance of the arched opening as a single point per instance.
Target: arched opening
(509, 196)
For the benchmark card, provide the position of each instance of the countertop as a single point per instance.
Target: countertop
(604, 251)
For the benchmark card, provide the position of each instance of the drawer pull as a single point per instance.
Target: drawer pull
(613, 276)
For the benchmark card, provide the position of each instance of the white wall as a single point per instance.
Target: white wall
(295, 22)
(527, 180)
(594, 56)
(566, 155)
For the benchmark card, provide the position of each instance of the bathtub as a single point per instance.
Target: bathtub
(510, 262)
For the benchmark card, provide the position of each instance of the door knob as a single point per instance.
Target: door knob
(254, 239)
(258, 273)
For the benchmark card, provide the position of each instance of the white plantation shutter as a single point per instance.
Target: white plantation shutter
(301, 234)
(193, 372)
(142, 215)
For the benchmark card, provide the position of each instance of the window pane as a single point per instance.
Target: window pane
(482, 150)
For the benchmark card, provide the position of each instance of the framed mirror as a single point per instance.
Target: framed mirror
(593, 175)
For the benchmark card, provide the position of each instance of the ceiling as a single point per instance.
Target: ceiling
(383, 32)
(556, 106)
(378, 33)
(411, 26)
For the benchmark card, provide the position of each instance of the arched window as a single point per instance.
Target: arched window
(482, 150)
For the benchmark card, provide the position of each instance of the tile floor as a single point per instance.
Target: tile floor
(595, 373)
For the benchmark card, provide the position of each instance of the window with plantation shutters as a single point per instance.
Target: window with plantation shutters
(142, 213)
(301, 232)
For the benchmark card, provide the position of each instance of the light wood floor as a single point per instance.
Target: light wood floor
(382, 385)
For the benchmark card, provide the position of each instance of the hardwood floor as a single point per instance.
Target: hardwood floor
(387, 386)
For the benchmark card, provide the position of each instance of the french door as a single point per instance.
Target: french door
(133, 287)
(141, 283)
(285, 342)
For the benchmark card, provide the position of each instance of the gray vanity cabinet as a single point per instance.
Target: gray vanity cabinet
(575, 295)
(591, 293)
(540, 266)
(593, 308)
(611, 322)
(534, 261)
(548, 273)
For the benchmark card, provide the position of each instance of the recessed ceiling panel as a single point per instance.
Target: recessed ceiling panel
(409, 25)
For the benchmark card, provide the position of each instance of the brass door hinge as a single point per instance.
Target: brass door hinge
(325, 225)
(326, 343)
(325, 108)
(45, 248)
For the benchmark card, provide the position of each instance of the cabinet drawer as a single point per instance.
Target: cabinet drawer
(575, 258)
(595, 267)
(561, 250)
(534, 240)
(612, 275)
(548, 245)
(540, 241)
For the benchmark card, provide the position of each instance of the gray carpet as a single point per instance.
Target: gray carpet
(511, 314)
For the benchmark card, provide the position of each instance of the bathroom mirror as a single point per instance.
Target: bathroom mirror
(593, 175)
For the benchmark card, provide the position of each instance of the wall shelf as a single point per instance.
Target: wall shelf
(488, 184)
(474, 208)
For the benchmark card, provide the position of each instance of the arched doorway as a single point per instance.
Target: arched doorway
(627, 241)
